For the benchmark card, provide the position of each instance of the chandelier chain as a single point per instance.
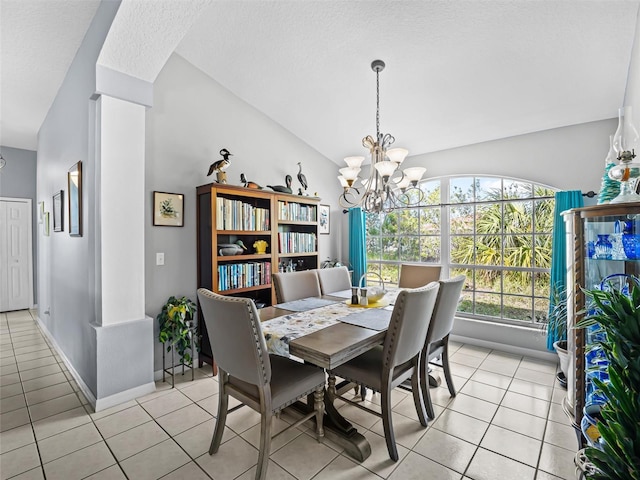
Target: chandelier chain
(377, 104)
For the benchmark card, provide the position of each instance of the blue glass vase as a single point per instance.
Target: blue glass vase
(603, 247)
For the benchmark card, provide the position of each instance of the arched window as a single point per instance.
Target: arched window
(495, 230)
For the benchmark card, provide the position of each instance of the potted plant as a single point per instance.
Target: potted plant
(617, 314)
(176, 322)
(556, 326)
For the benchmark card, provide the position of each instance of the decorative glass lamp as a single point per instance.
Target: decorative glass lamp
(627, 171)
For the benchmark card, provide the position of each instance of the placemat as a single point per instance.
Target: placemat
(375, 319)
(305, 304)
(341, 294)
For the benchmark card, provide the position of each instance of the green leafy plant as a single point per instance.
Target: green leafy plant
(619, 316)
(175, 322)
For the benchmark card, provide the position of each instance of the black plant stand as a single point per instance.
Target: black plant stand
(172, 368)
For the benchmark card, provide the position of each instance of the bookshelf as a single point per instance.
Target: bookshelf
(227, 214)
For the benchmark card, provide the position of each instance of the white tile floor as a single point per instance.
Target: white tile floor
(505, 423)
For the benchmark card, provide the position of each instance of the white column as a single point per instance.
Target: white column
(121, 151)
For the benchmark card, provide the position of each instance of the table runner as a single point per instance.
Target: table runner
(305, 304)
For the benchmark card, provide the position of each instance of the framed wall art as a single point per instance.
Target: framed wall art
(74, 187)
(58, 212)
(323, 219)
(46, 224)
(168, 209)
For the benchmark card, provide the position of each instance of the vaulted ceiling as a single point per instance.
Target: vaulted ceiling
(458, 72)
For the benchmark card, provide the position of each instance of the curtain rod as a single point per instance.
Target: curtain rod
(589, 194)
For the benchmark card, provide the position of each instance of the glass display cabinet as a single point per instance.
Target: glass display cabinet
(603, 248)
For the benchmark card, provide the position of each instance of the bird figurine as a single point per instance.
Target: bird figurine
(248, 184)
(281, 188)
(302, 179)
(219, 166)
(235, 248)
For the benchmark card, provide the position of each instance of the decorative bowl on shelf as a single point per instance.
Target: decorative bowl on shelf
(631, 245)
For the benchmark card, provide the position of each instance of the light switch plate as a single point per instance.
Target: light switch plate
(159, 258)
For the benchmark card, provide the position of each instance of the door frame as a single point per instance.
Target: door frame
(29, 203)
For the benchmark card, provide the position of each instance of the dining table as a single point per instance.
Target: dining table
(328, 331)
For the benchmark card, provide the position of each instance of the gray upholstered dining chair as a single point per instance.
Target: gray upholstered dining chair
(437, 343)
(292, 286)
(385, 367)
(334, 279)
(266, 383)
(417, 275)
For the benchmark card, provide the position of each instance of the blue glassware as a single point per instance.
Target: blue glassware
(603, 247)
(631, 245)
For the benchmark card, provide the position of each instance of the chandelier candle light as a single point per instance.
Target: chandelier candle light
(384, 190)
(627, 171)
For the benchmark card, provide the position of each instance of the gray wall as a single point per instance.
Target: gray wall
(193, 117)
(18, 180)
(66, 278)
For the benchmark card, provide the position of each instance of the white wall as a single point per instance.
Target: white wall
(632, 95)
(193, 117)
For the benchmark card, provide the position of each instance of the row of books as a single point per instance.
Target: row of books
(297, 242)
(243, 275)
(297, 212)
(239, 215)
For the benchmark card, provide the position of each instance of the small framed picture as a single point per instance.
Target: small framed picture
(58, 212)
(323, 219)
(168, 209)
(41, 212)
(46, 224)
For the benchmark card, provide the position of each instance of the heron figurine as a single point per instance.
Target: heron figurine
(302, 179)
(221, 165)
(282, 188)
(247, 184)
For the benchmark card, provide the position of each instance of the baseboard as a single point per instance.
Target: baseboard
(527, 352)
(121, 397)
(83, 386)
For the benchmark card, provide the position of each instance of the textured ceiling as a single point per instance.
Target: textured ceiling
(38, 41)
(458, 72)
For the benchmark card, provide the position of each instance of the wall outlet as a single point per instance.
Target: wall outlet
(159, 258)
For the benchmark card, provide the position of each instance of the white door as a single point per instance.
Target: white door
(15, 255)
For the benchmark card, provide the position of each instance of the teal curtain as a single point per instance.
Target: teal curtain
(357, 243)
(564, 201)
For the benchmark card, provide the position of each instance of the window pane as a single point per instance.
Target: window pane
(543, 251)
(466, 304)
(544, 215)
(431, 192)
(461, 190)
(467, 272)
(517, 308)
(390, 273)
(541, 191)
(518, 250)
(371, 268)
(489, 250)
(410, 248)
(489, 188)
(374, 223)
(373, 248)
(488, 304)
(461, 219)
(390, 248)
(541, 307)
(541, 284)
(429, 221)
(462, 250)
(518, 217)
(515, 189)
(518, 282)
(489, 218)
(488, 280)
(389, 223)
(408, 221)
(430, 249)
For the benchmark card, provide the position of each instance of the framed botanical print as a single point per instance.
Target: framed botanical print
(323, 219)
(168, 209)
(74, 187)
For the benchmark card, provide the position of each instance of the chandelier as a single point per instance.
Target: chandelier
(387, 187)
